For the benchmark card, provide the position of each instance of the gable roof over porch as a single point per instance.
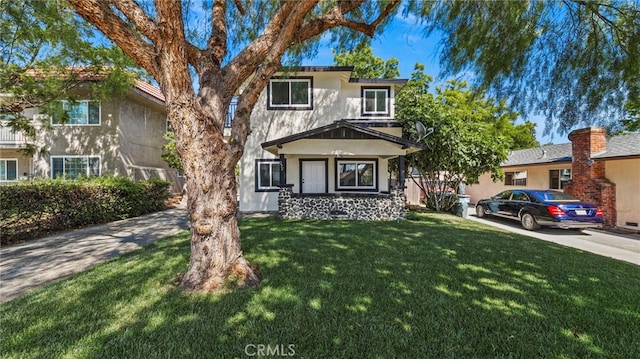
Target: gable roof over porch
(343, 130)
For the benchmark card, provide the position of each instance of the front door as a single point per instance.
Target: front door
(314, 176)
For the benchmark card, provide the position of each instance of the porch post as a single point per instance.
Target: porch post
(401, 174)
(283, 170)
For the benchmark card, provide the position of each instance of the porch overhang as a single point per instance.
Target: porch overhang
(343, 138)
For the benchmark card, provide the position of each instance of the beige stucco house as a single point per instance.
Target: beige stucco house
(121, 137)
(320, 147)
(591, 167)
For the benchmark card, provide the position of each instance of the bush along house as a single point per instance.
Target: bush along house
(592, 167)
(320, 147)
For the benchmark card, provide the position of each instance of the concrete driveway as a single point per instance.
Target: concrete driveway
(625, 247)
(38, 262)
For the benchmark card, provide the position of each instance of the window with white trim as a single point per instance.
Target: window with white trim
(375, 101)
(267, 175)
(558, 178)
(516, 178)
(80, 113)
(356, 174)
(8, 170)
(293, 93)
(72, 167)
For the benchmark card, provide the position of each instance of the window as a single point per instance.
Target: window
(506, 195)
(356, 174)
(267, 175)
(72, 167)
(558, 178)
(375, 101)
(8, 170)
(295, 93)
(79, 113)
(520, 196)
(515, 178)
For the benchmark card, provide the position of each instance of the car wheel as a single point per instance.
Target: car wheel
(480, 211)
(529, 222)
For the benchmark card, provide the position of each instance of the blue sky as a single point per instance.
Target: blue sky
(404, 39)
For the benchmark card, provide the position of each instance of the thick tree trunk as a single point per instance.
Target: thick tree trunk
(216, 260)
(209, 162)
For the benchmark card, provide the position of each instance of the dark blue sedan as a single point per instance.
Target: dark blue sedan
(535, 208)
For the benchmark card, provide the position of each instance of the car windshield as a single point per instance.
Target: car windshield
(552, 196)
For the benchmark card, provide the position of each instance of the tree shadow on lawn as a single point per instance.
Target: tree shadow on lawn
(435, 287)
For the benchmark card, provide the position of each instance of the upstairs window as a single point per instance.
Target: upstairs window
(79, 113)
(72, 167)
(518, 178)
(375, 101)
(267, 175)
(293, 93)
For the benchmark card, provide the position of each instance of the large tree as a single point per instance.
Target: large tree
(243, 46)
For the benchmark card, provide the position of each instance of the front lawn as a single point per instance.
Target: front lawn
(436, 286)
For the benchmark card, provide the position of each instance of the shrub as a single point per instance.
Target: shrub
(30, 210)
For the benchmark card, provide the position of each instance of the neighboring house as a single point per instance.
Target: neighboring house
(591, 167)
(121, 137)
(320, 147)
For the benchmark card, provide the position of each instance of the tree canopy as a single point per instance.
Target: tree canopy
(575, 62)
(470, 135)
(365, 63)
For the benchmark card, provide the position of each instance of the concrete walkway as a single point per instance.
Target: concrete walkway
(624, 247)
(38, 262)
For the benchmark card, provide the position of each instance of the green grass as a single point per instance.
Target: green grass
(436, 286)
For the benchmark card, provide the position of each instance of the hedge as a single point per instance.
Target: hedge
(31, 210)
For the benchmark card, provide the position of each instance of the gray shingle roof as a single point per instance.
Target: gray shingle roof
(622, 146)
(618, 146)
(538, 155)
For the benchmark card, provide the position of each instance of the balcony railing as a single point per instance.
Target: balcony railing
(10, 138)
(230, 113)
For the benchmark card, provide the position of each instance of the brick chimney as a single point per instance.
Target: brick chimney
(588, 176)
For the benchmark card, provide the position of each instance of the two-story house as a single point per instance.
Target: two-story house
(122, 137)
(321, 144)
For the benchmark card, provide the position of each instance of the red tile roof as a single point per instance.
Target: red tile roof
(86, 74)
(149, 89)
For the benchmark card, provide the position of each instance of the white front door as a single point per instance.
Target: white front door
(314, 177)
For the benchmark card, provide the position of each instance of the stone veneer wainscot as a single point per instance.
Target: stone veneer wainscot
(354, 206)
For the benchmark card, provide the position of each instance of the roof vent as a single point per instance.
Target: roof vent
(544, 154)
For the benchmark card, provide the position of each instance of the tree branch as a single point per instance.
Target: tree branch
(217, 44)
(117, 30)
(248, 60)
(138, 18)
(238, 4)
(336, 17)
